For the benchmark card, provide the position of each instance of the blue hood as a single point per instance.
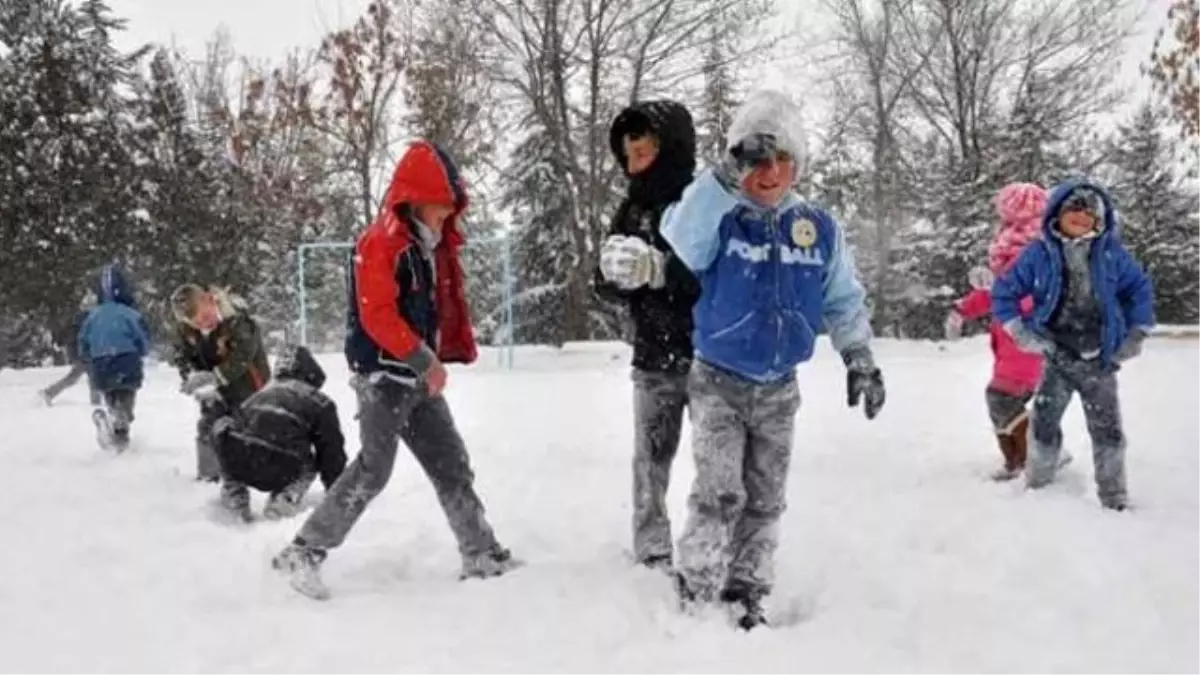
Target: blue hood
(1110, 227)
(113, 286)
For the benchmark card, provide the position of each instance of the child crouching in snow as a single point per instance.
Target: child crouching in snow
(1015, 373)
(1092, 308)
(113, 341)
(773, 271)
(280, 439)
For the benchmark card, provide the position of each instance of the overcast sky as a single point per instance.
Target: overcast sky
(268, 28)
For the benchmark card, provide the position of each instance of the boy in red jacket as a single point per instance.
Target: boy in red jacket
(408, 316)
(1015, 373)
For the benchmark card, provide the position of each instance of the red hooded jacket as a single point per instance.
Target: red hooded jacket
(393, 310)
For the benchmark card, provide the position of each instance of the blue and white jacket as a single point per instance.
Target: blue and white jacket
(771, 280)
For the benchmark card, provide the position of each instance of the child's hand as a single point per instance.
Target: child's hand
(863, 381)
(1132, 346)
(954, 325)
(198, 381)
(435, 378)
(630, 263)
(1027, 340)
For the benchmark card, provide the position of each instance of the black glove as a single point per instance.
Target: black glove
(863, 381)
(1132, 346)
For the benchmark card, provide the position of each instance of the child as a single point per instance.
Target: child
(113, 340)
(221, 360)
(773, 270)
(408, 316)
(655, 144)
(280, 440)
(1015, 373)
(1092, 308)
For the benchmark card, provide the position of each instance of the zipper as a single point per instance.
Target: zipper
(777, 265)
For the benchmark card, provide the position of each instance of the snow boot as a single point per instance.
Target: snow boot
(301, 565)
(104, 429)
(493, 563)
(1014, 445)
(745, 607)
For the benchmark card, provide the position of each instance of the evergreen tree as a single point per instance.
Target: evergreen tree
(1159, 211)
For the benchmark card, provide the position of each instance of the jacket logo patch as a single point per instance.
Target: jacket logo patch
(804, 232)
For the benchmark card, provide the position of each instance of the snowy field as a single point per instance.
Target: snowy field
(897, 553)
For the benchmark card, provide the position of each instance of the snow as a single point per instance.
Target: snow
(897, 553)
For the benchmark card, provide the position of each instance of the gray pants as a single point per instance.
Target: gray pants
(658, 403)
(742, 441)
(120, 403)
(78, 370)
(208, 466)
(1006, 410)
(389, 412)
(1097, 387)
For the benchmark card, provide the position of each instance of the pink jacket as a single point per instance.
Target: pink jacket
(1020, 206)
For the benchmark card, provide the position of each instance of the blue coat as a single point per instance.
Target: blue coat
(114, 338)
(1123, 289)
(770, 279)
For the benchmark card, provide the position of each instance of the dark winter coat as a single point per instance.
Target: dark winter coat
(114, 337)
(233, 351)
(284, 430)
(662, 317)
(408, 304)
(1121, 288)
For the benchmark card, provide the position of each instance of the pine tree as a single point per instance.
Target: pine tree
(1159, 214)
(69, 174)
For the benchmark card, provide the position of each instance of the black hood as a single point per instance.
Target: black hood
(671, 123)
(297, 363)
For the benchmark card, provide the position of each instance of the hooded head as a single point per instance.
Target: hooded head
(297, 363)
(427, 187)
(663, 139)
(1020, 207)
(113, 286)
(766, 142)
(1079, 208)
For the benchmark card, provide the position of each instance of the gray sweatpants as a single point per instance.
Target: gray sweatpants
(742, 442)
(77, 371)
(389, 412)
(658, 403)
(1097, 387)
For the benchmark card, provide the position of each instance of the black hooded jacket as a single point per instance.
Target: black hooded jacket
(284, 429)
(662, 317)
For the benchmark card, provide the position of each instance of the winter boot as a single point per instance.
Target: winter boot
(1014, 445)
(745, 606)
(104, 429)
(301, 565)
(493, 563)
(689, 600)
(235, 502)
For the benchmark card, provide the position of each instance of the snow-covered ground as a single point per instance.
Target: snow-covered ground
(897, 553)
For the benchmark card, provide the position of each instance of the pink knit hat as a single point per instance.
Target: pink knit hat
(1020, 207)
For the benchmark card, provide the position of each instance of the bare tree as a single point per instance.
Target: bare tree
(871, 45)
(365, 65)
(1175, 64)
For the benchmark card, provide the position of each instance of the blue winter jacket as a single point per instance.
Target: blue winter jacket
(114, 338)
(1124, 291)
(770, 280)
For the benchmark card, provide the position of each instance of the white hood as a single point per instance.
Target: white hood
(770, 112)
